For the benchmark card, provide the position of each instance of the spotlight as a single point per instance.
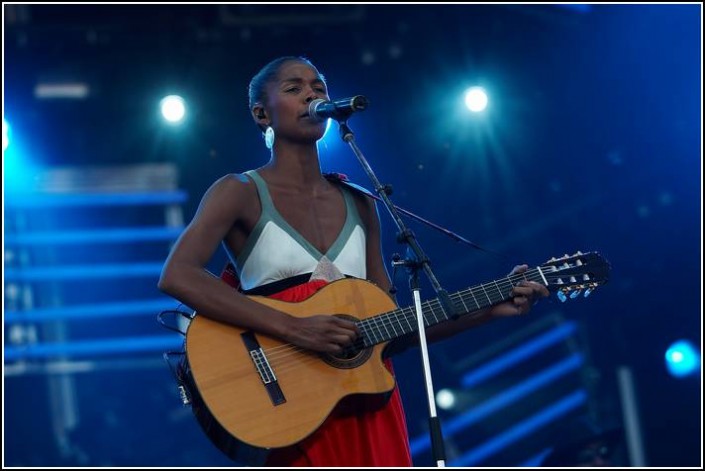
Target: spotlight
(5, 134)
(476, 99)
(173, 108)
(682, 359)
(445, 398)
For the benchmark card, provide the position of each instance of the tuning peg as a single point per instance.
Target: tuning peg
(561, 296)
(587, 292)
(574, 294)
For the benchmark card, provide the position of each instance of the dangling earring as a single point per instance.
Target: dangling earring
(269, 137)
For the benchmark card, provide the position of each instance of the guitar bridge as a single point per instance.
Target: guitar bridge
(264, 369)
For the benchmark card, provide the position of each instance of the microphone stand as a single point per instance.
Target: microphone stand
(416, 261)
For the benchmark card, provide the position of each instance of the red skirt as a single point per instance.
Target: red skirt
(361, 431)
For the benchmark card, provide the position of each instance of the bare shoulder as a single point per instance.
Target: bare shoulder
(228, 195)
(230, 183)
(231, 188)
(366, 207)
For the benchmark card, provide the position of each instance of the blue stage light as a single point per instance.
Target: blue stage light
(476, 99)
(682, 359)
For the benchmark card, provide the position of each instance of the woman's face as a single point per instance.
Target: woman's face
(297, 84)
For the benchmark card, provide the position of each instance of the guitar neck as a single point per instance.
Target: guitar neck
(394, 324)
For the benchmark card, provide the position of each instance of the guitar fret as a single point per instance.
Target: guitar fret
(384, 334)
(499, 290)
(444, 314)
(412, 313)
(376, 324)
(392, 322)
(465, 307)
(384, 324)
(474, 298)
(406, 318)
(540, 278)
(436, 312)
(486, 295)
(362, 325)
(460, 309)
(433, 311)
(370, 330)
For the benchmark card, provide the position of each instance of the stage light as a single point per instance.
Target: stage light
(173, 108)
(476, 99)
(62, 90)
(682, 359)
(445, 399)
(5, 134)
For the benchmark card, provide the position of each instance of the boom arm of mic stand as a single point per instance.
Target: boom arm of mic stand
(443, 230)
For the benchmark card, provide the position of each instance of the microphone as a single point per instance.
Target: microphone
(340, 110)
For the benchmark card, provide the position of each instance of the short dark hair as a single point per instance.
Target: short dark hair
(258, 85)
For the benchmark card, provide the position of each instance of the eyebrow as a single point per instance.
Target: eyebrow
(300, 80)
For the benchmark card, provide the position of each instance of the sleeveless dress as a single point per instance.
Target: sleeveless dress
(276, 261)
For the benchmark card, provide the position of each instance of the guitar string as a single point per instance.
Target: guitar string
(280, 363)
(379, 322)
(392, 318)
(387, 320)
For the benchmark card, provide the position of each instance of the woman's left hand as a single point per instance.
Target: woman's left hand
(525, 294)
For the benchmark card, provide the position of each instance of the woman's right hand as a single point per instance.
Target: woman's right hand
(322, 333)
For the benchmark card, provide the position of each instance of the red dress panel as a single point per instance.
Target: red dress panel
(361, 431)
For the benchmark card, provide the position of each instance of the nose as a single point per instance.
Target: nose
(312, 95)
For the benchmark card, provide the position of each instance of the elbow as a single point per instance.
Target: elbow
(166, 283)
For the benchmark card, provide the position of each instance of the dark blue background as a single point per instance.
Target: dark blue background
(592, 142)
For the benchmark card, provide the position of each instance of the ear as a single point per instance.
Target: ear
(260, 115)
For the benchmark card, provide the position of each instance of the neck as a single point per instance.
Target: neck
(299, 164)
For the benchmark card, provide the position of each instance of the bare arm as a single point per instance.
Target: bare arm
(185, 278)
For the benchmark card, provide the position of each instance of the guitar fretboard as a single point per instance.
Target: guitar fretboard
(400, 322)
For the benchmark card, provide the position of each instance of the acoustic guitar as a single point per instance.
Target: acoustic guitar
(268, 394)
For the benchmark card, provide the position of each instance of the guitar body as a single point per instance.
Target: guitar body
(252, 392)
(308, 385)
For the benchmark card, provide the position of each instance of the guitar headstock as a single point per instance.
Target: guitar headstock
(572, 275)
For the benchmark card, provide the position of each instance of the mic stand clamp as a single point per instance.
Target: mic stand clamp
(417, 261)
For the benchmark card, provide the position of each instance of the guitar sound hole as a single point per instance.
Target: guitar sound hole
(348, 354)
(352, 356)
(349, 358)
